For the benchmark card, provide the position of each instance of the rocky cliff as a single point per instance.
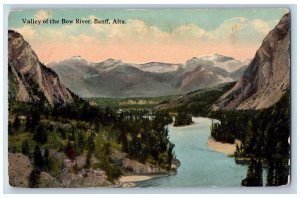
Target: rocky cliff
(29, 79)
(267, 77)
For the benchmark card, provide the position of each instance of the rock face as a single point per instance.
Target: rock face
(133, 167)
(47, 181)
(18, 175)
(139, 168)
(19, 170)
(84, 177)
(29, 79)
(267, 77)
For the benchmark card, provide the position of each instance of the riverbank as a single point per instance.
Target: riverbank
(129, 181)
(134, 178)
(227, 148)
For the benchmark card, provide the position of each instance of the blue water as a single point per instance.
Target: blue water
(200, 166)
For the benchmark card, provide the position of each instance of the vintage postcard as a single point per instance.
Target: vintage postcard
(149, 98)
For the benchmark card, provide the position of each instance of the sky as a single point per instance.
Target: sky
(149, 35)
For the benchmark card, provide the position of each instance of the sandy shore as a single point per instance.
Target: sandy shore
(226, 148)
(134, 178)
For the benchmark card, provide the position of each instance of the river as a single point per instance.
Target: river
(200, 166)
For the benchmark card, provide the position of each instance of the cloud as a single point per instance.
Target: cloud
(27, 31)
(261, 26)
(83, 38)
(190, 32)
(239, 30)
(134, 29)
(42, 14)
(236, 36)
(232, 31)
(40, 34)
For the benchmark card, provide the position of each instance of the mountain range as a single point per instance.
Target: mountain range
(114, 78)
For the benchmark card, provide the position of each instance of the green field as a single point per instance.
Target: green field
(130, 103)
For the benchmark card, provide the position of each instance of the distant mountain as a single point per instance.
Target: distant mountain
(202, 77)
(29, 79)
(227, 64)
(267, 78)
(114, 78)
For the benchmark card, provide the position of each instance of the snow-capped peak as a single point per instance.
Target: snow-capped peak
(76, 58)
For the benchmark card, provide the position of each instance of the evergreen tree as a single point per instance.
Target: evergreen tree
(271, 172)
(33, 120)
(40, 134)
(124, 141)
(70, 151)
(183, 118)
(62, 133)
(10, 128)
(90, 142)
(25, 148)
(254, 174)
(34, 178)
(47, 159)
(72, 134)
(17, 123)
(259, 173)
(80, 142)
(38, 158)
(278, 173)
(88, 159)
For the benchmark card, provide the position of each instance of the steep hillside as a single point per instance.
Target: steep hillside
(29, 79)
(267, 77)
(238, 73)
(198, 102)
